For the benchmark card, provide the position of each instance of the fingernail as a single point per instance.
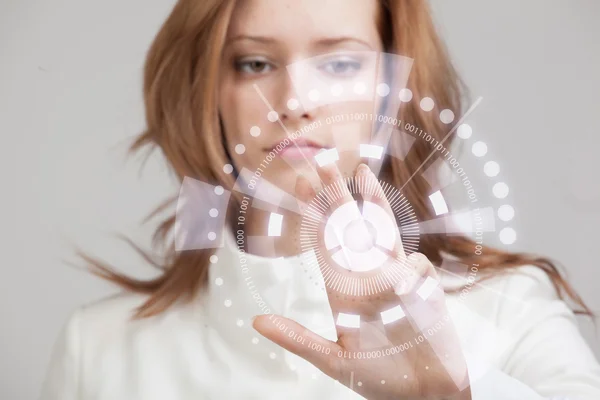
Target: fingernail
(363, 169)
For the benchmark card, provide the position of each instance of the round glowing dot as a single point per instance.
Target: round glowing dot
(255, 131)
(491, 168)
(508, 235)
(506, 212)
(212, 236)
(479, 149)
(383, 382)
(213, 212)
(219, 281)
(240, 149)
(426, 104)
(359, 383)
(337, 89)
(360, 88)
(219, 190)
(293, 367)
(383, 89)
(446, 116)
(405, 95)
(405, 376)
(227, 303)
(254, 340)
(314, 95)
(272, 116)
(239, 323)
(214, 259)
(465, 131)
(272, 356)
(292, 104)
(427, 367)
(500, 190)
(228, 168)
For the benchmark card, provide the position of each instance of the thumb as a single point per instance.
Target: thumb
(295, 338)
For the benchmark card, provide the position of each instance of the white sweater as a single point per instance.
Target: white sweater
(521, 342)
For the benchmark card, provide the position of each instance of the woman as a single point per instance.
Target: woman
(221, 85)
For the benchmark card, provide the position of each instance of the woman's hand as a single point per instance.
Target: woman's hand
(414, 354)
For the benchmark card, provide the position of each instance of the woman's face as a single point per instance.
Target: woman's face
(265, 69)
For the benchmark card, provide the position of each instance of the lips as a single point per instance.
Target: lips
(301, 149)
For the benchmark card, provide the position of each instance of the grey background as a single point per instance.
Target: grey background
(70, 83)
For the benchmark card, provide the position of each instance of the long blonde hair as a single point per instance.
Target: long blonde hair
(182, 119)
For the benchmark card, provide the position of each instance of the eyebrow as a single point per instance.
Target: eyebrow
(324, 42)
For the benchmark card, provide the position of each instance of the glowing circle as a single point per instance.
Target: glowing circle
(405, 95)
(506, 212)
(213, 212)
(360, 88)
(337, 89)
(383, 89)
(214, 259)
(426, 104)
(479, 149)
(239, 323)
(255, 131)
(491, 169)
(500, 190)
(292, 104)
(219, 190)
(254, 340)
(272, 356)
(228, 168)
(212, 236)
(272, 116)
(227, 303)
(446, 116)
(240, 149)
(508, 236)
(219, 281)
(314, 95)
(465, 131)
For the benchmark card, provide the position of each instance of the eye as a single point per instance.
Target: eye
(253, 66)
(342, 67)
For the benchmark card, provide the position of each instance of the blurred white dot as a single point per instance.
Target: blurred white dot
(508, 236)
(383, 89)
(214, 259)
(227, 303)
(212, 236)
(254, 340)
(500, 190)
(359, 383)
(426, 104)
(213, 212)
(272, 116)
(465, 131)
(239, 323)
(219, 281)
(219, 190)
(255, 131)
(491, 168)
(314, 95)
(360, 88)
(426, 367)
(383, 382)
(272, 355)
(479, 149)
(337, 89)
(228, 168)
(293, 367)
(405, 95)
(446, 116)
(506, 212)
(292, 104)
(405, 376)
(240, 149)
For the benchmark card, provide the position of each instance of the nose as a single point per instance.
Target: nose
(291, 111)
